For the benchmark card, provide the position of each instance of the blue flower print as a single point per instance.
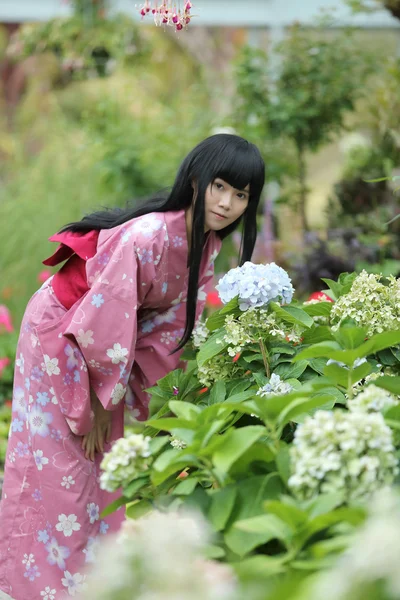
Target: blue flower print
(77, 376)
(97, 300)
(17, 425)
(177, 241)
(43, 536)
(37, 374)
(164, 287)
(74, 356)
(145, 256)
(103, 527)
(42, 398)
(103, 259)
(32, 572)
(37, 495)
(147, 326)
(27, 383)
(67, 380)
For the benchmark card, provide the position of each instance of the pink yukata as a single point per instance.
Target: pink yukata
(115, 338)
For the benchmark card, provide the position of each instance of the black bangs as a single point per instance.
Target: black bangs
(231, 158)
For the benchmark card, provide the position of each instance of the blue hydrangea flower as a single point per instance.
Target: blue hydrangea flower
(256, 285)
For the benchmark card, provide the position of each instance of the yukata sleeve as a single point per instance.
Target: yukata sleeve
(158, 337)
(95, 343)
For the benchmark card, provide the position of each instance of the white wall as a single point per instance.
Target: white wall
(247, 13)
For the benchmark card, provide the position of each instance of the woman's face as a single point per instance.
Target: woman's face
(224, 204)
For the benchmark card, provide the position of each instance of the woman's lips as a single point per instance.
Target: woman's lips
(221, 217)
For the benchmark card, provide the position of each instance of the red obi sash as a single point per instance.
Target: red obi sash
(70, 282)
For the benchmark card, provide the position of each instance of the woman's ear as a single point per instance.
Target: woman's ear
(193, 183)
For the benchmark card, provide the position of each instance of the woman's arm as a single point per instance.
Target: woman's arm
(101, 432)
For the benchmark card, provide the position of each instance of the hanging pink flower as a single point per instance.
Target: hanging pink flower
(5, 319)
(213, 300)
(4, 362)
(44, 275)
(320, 296)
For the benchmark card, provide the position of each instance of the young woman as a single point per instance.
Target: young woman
(107, 326)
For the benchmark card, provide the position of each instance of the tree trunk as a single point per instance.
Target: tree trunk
(302, 187)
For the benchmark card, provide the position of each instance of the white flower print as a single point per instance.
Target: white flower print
(177, 241)
(48, 593)
(164, 287)
(57, 554)
(34, 340)
(117, 354)
(167, 338)
(50, 365)
(67, 524)
(202, 294)
(28, 560)
(40, 460)
(93, 512)
(90, 550)
(147, 225)
(118, 393)
(53, 397)
(20, 363)
(75, 583)
(84, 338)
(97, 300)
(19, 403)
(39, 421)
(169, 316)
(67, 481)
(93, 363)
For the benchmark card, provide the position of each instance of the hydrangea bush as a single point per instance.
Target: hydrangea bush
(283, 426)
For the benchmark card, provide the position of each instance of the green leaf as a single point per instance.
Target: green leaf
(317, 364)
(267, 527)
(171, 424)
(293, 516)
(157, 443)
(325, 503)
(354, 516)
(260, 567)
(217, 393)
(235, 443)
(320, 309)
(389, 383)
(213, 346)
(217, 319)
(184, 410)
(258, 452)
(135, 486)
(252, 492)
(350, 337)
(292, 314)
(317, 334)
(222, 503)
(283, 462)
(186, 487)
(114, 506)
(287, 371)
(322, 349)
(138, 509)
(302, 406)
(340, 375)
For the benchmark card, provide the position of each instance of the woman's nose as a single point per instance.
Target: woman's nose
(225, 201)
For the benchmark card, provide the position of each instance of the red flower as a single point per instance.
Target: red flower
(319, 296)
(44, 275)
(5, 319)
(203, 390)
(213, 300)
(236, 358)
(183, 475)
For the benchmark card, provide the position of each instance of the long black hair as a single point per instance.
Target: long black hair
(225, 156)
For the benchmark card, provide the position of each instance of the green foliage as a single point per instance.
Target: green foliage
(86, 45)
(305, 101)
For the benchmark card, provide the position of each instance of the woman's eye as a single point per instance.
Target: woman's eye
(219, 186)
(242, 196)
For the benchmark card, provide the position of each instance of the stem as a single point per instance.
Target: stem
(265, 357)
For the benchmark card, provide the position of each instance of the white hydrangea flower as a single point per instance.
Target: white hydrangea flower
(178, 444)
(158, 557)
(200, 334)
(344, 451)
(372, 558)
(370, 303)
(372, 399)
(125, 460)
(275, 387)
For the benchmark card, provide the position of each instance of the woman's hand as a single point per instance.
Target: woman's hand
(94, 440)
